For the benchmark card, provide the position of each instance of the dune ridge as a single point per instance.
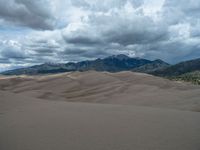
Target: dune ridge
(98, 110)
(126, 88)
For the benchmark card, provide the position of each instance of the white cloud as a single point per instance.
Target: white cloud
(86, 29)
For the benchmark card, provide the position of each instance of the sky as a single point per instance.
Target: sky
(60, 31)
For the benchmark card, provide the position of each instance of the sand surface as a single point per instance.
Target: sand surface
(127, 88)
(98, 111)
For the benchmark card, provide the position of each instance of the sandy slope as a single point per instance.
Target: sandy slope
(124, 111)
(33, 124)
(113, 88)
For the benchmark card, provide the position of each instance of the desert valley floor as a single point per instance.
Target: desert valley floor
(98, 111)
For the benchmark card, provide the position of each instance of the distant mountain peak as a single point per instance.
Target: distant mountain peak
(120, 56)
(160, 61)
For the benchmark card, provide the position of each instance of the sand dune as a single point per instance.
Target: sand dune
(113, 88)
(121, 111)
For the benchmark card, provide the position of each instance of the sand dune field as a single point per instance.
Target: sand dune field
(98, 111)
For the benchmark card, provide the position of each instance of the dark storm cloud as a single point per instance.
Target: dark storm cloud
(83, 53)
(132, 35)
(33, 14)
(44, 51)
(172, 51)
(12, 53)
(4, 61)
(83, 40)
(166, 38)
(94, 53)
(195, 32)
(96, 29)
(72, 51)
(175, 11)
(124, 30)
(43, 46)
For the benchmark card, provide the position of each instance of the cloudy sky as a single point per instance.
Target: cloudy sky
(34, 32)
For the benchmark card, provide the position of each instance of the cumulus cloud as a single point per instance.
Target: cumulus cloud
(33, 14)
(104, 5)
(75, 30)
(12, 50)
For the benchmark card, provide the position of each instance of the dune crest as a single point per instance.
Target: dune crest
(126, 88)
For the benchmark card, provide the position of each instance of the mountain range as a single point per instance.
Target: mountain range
(188, 71)
(115, 63)
(179, 69)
